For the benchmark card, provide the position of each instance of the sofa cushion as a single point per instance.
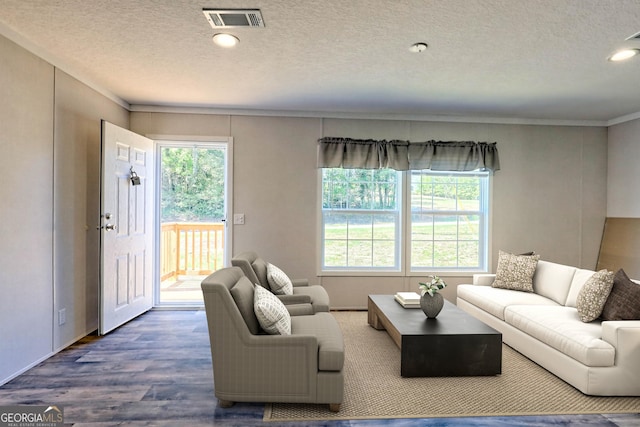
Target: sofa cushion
(279, 282)
(271, 312)
(594, 294)
(515, 271)
(553, 280)
(624, 300)
(495, 300)
(579, 279)
(330, 341)
(242, 294)
(561, 328)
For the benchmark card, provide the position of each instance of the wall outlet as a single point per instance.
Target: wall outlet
(62, 316)
(238, 219)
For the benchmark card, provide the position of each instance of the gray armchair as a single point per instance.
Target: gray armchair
(255, 268)
(251, 366)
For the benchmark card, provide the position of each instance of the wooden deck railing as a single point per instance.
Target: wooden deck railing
(191, 248)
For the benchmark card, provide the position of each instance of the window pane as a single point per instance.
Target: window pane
(421, 227)
(383, 253)
(447, 228)
(469, 197)
(422, 253)
(360, 227)
(335, 253)
(335, 226)
(469, 227)
(384, 227)
(444, 197)
(360, 253)
(359, 196)
(361, 219)
(446, 254)
(469, 253)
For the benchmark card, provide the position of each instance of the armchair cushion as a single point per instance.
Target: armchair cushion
(279, 282)
(242, 293)
(330, 341)
(271, 312)
(260, 268)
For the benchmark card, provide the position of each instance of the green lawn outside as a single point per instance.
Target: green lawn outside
(437, 244)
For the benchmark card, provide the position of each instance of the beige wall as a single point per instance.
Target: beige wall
(78, 111)
(550, 195)
(26, 203)
(623, 178)
(49, 206)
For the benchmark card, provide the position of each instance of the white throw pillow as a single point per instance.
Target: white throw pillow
(272, 314)
(279, 282)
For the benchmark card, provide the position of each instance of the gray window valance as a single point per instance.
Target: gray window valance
(350, 153)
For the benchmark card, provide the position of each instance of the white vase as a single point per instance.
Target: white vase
(431, 305)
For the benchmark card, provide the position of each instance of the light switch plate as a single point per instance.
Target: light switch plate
(238, 219)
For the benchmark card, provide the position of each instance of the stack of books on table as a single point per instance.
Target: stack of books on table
(408, 299)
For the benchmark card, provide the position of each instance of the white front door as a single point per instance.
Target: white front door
(126, 276)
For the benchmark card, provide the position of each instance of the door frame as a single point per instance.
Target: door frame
(161, 141)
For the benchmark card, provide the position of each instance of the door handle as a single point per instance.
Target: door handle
(110, 227)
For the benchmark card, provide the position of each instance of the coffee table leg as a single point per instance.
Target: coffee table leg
(372, 315)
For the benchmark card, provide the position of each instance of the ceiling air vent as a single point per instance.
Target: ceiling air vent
(636, 36)
(233, 18)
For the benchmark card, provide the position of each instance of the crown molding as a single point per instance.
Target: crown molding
(363, 116)
(623, 119)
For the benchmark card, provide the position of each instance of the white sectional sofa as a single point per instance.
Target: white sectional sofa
(598, 358)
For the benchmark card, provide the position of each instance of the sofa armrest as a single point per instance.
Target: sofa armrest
(483, 279)
(615, 331)
(292, 362)
(624, 335)
(300, 282)
(294, 299)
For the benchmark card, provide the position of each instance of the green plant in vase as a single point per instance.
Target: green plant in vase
(431, 301)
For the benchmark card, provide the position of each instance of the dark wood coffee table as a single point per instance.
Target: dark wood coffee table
(453, 344)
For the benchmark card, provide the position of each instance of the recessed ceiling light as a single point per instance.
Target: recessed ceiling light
(225, 40)
(418, 47)
(623, 54)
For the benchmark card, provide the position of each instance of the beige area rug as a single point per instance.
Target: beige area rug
(374, 388)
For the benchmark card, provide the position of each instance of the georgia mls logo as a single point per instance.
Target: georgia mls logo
(31, 416)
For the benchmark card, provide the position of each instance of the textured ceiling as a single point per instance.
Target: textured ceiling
(510, 59)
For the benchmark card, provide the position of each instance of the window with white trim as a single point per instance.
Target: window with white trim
(448, 226)
(363, 212)
(361, 218)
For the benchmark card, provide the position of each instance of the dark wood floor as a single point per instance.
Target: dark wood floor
(156, 371)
